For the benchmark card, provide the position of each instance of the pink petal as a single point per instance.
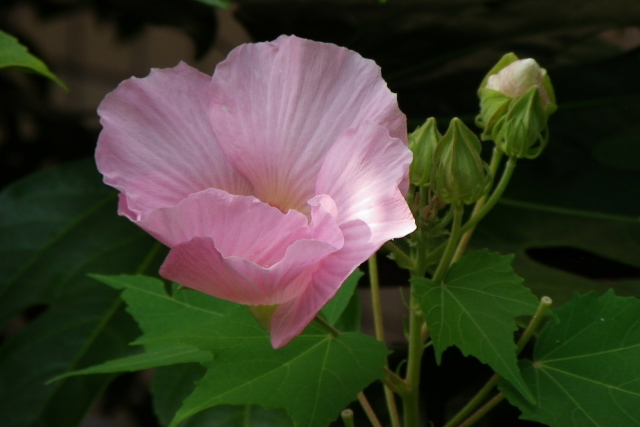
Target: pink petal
(239, 225)
(157, 145)
(292, 317)
(362, 173)
(240, 249)
(199, 265)
(290, 100)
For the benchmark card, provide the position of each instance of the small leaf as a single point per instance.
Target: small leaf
(15, 55)
(474, 309)
(585, 370)
(314, 377)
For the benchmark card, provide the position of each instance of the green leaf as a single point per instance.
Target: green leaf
(222, 4)
(343, 303)
(314, 377)
(15, 55)
(81, 330)
(56, 226)
(152, 357)
(585, 370)
(172, 384)
(474, 309)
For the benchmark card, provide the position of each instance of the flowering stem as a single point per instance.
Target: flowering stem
(374, 281)
(410, 400)
(366, 406)
(399, 255)
(379, 329)
(445, 261)
(483, 206)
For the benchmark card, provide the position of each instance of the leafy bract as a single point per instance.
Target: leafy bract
(585, 370)
(314, 377)
(57, 226)
(15, 55)
(474, 309)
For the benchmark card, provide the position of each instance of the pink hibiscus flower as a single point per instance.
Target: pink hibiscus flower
(270, 181)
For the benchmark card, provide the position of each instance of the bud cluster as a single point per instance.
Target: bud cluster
(450, 164)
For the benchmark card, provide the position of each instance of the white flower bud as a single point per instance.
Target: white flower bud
(518, 77)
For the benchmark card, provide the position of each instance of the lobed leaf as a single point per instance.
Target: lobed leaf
(585, 370)
(474, 309)
(314, 377)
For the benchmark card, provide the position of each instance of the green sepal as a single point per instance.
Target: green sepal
(522, 132)
(423, 142)
(493, 104)
(506, 60)
(459, 174)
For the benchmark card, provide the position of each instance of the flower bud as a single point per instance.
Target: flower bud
(459, 174)
(422, 143)
(516, 87)
(522, 131)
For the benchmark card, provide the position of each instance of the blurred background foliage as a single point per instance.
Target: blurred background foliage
(571, 216)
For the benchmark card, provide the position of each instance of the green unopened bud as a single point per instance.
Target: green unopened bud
(522, 131)
(422, 143)
(459, 174)
(263, 314)
(508, 87)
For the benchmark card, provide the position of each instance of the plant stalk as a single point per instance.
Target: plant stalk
(484, 205)
(376, 303)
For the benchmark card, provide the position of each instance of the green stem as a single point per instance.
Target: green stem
(482, 411)
(411, 402)
(399, 255)
(366, 406)
(543, 307)
(374, 282)
(484, 205)
(347, 418)
(376, 303)
(445, 261)
(474, 402)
